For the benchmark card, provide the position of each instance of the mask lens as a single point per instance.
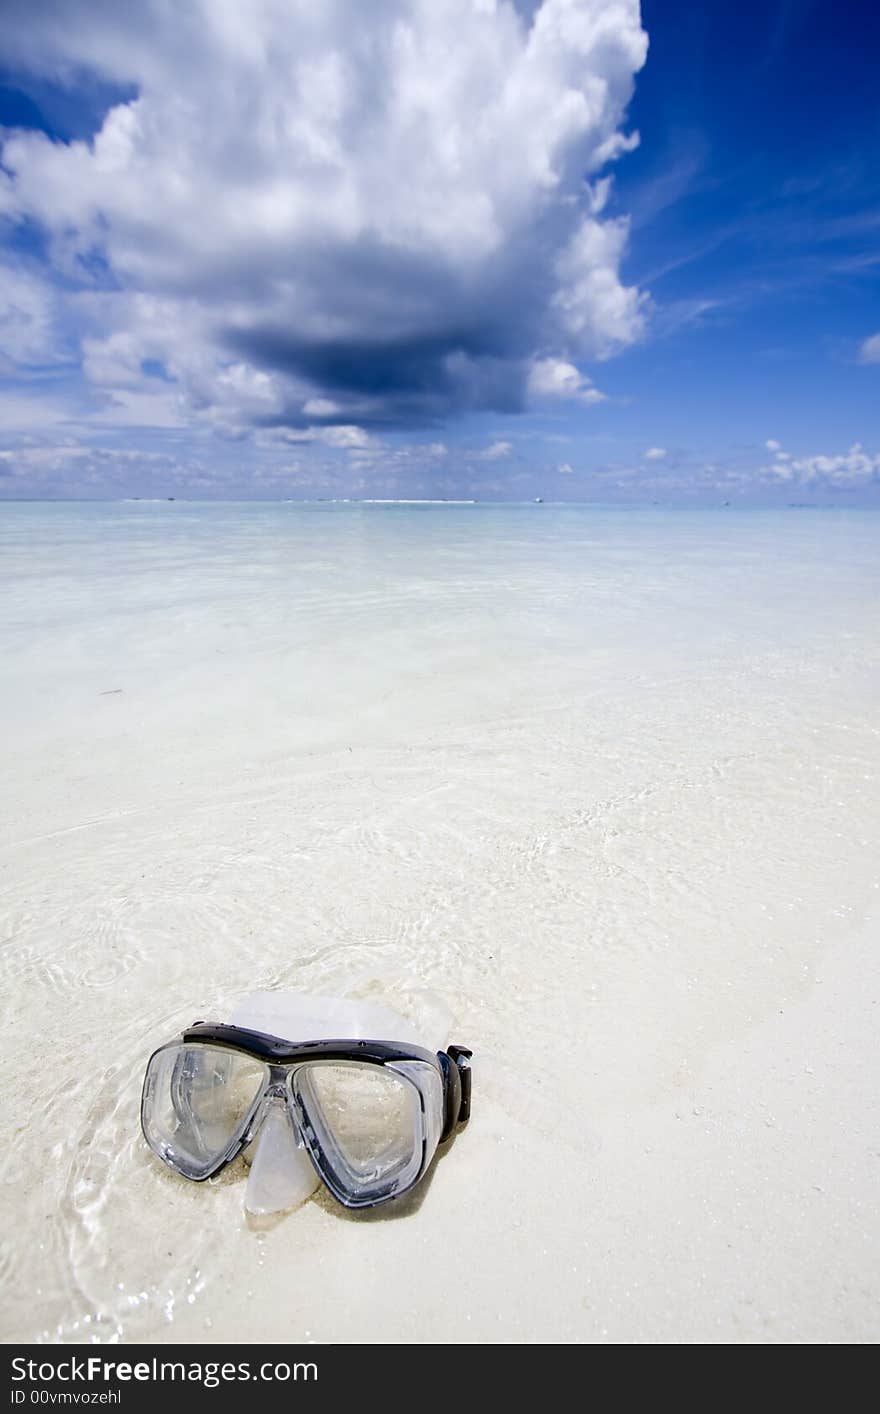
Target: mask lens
(197, 1102)
(367, 1129)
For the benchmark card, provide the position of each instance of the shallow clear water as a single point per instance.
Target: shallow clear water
(603, 778)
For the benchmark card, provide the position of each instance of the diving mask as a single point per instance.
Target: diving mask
(368, 1114)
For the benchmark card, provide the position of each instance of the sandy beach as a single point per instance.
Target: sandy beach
(604, 780)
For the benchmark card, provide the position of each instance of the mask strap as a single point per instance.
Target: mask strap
(457, 1074)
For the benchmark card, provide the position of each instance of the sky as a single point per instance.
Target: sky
(576, 249)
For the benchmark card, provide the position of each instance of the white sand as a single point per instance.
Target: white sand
(605, 781)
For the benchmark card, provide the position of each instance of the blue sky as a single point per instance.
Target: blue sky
(263, 251)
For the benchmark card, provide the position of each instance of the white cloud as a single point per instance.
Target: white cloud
(870, 350)
(131, 407)
(850, 470)
(28, 317)
(772, 445)
(348, 437)
(52, 468)
(556, 378)
(655, 454)
(597, 312)
(370, 216)
(497, 451)
(33, 410)
(565, 468)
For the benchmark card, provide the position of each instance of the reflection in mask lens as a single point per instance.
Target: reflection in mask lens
(197, 1100)
(367, 1122)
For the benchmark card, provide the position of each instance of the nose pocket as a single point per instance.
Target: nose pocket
(282, 1175)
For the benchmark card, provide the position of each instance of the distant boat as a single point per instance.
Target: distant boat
(539, 500)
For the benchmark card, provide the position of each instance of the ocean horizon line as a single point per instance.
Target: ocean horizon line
(438, 503)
